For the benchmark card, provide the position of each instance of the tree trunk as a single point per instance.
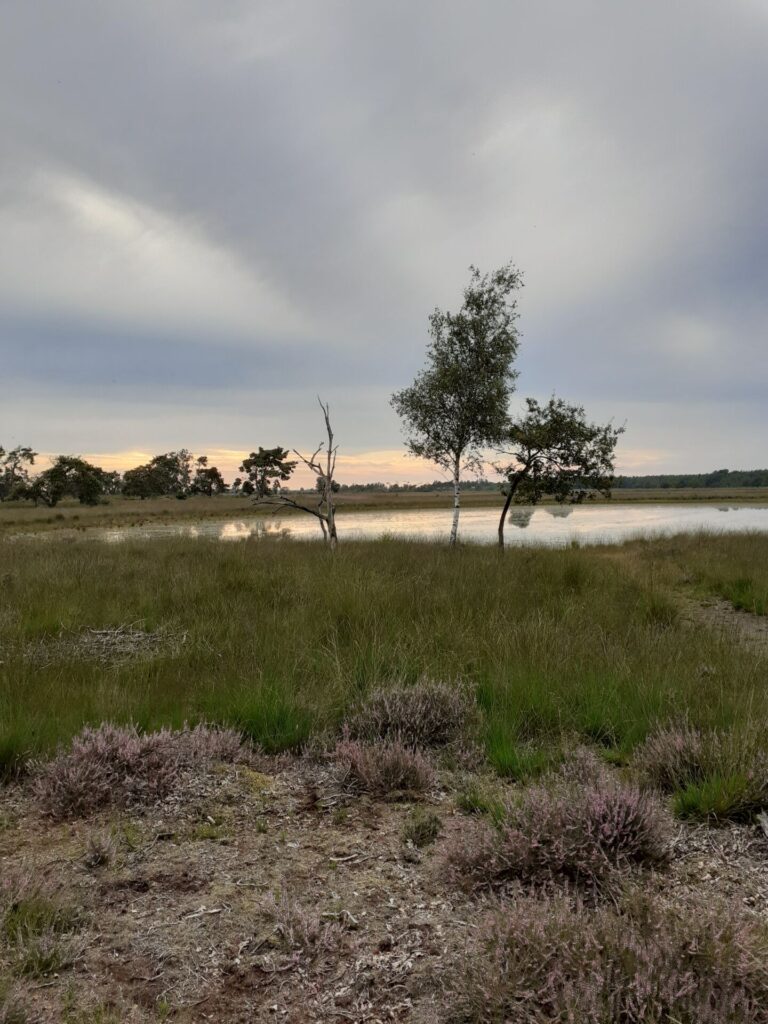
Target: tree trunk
(456, 501)
(507, 503)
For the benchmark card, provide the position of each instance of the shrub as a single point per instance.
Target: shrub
(648, 963)
(423, 715)
(119, 766)
(713, 774)
(301, 929)
(576, 832)
(422, 827)
(381, 768)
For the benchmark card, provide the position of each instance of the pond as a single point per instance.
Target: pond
(552, 525)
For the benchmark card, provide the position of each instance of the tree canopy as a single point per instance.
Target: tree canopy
(457, 405)
(553, 450)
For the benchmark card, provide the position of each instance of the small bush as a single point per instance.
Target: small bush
(302, 929)
(713, 774)
(423, 715)
(381, 768)
(119, 766)
(575, 832)
(422, 827)
(647, 964)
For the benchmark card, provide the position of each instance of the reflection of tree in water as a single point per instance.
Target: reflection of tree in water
(560, 511)
(520, 517)
(254, 530)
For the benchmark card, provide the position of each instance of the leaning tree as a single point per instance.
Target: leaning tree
(552, 450)
(457, 405)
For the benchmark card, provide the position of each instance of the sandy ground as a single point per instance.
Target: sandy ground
(237, 900)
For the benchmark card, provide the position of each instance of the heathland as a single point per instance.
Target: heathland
(426, 784)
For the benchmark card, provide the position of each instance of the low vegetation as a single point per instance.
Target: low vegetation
(120, 767)
(575, 829)
(280, 643)
(645, 964)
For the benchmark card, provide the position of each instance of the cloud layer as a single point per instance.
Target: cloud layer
(211, 212)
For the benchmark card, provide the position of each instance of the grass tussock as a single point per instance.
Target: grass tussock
(712, 774)
(38, 933)
(648, 963)
(580, 827)
(422, 827)
(122, 767)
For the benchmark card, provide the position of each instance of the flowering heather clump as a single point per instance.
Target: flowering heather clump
(560, 830)
(381, 767)
(645, 964)
(116, 765)
(673, 757)
(715, 774)
(423, 715)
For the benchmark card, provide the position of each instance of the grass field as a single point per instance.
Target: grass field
(393, 871)
(280, 638)
(118, 511)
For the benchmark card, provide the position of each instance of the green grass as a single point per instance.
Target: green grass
(281, 638)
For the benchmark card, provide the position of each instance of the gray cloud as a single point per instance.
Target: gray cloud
(228, 207)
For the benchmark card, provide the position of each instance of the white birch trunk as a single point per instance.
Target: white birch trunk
(456, 502)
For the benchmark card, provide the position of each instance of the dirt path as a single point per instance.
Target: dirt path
(720, 616)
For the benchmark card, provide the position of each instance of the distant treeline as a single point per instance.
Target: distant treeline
(718, 478)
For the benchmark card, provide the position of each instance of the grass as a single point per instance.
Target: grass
(283, 640)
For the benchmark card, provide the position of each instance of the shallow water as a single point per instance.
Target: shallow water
(543, 525)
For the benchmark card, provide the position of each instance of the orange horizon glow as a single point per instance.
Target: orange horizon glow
(388, 465)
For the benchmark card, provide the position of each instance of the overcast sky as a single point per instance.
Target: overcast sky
(210, 212)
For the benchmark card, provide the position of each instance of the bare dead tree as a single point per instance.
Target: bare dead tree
(322, 462)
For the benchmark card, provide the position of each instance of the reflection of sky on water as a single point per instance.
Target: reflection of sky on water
(555, 526)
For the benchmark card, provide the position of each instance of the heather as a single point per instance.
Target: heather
(716, 774)
(577, 828)
(122, 767)
(643, 962)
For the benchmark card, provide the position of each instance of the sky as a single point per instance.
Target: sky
(211, 213)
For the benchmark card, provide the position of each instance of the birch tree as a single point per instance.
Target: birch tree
(553, 450)
(457, 405)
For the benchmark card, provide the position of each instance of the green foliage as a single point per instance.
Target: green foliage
(14, 471)
(207, 479)
(167, 474)
(556, 452)
(422, 827)
(457, 405)
(69, 476)
(266, 469)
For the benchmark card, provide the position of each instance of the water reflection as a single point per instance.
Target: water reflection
(520, 517)
(588, 524)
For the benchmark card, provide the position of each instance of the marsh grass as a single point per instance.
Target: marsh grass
(284, 641)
